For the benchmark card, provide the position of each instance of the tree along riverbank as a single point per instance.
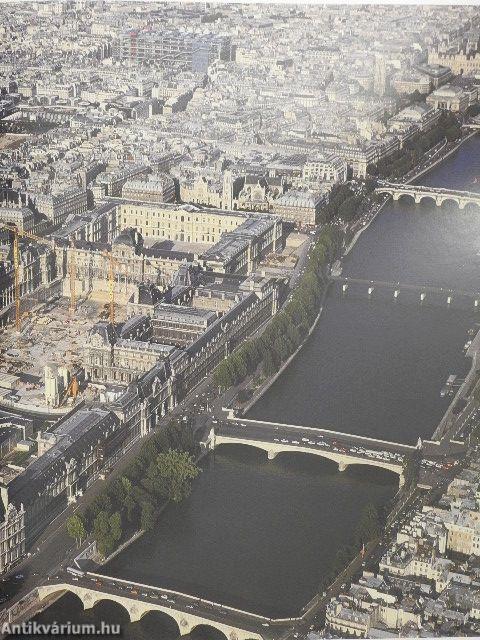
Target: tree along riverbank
(288, 330)
(290, 326)
(405, 159)
(162, 472)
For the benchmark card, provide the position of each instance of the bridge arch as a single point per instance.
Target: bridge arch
(449, 203)
(156, 620)
(119, 608)
(343, 460)
(311, 453)
(377, 467)
(71, 600)
(405, 198)
(471, 207)
(427, 201)
(209, 632)
(247, 445)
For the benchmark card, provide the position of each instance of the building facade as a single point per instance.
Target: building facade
(12, 537)
(81, 445)
(170, 49)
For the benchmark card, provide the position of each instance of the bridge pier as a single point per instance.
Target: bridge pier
(135, 613)
(370, 290)
(449, 299)
(422, 296)
(396, 293)
(89, 601)
(344, 288)
(475, 304)
(184, 626)
(342, 466)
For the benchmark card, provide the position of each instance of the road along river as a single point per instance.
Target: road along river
(259, 535)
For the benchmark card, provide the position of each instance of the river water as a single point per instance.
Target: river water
(259, 535)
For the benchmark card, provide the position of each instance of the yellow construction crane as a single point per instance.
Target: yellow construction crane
(18, 233)
(72, 268)
(111, 284)
(71, 390)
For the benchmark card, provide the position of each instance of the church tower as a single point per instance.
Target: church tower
(380, 77)
(227, 192)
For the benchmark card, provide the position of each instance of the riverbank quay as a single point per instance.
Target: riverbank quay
(268, 383)
(418, 173)
(371, 216)
(453, 420)
(27, 605)
(430, 160)
(199, 391)
(286, 329)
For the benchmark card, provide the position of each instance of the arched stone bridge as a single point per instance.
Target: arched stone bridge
(187, 611)
(419, 193)
(343, 449)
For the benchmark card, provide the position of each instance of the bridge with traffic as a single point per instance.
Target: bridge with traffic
(189, 612)
(448, 294)
(435, 194)
(342, 448)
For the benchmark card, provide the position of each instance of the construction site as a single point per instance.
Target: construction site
(49, 346)
(41, 348)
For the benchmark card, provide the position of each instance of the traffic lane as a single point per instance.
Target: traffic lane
(332, 447)
(184, 603)
(276, 434)
(265, 427)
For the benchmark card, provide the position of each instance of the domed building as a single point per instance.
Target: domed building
(449, 98)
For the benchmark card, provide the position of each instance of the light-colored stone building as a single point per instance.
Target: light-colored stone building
(60, 203)
(460, 61)
(12, 537)
(450, 97)
(325, 168)
(156, 188)
(180, 223)
(299, 207)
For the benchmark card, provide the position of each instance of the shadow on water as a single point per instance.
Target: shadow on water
(254, 534)
(260, 534)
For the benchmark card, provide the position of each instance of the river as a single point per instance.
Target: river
(259, 535)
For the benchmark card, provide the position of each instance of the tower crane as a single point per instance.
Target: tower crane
(72, 268)
(111, 283)
(17, 234)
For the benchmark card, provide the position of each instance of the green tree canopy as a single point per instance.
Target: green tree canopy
(107, 531)
(76, 529)
(171, 475)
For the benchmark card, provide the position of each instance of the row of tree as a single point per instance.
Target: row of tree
(343, 203)
(369, 528)
(163, 470)
(290, 326)
(404, 160)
